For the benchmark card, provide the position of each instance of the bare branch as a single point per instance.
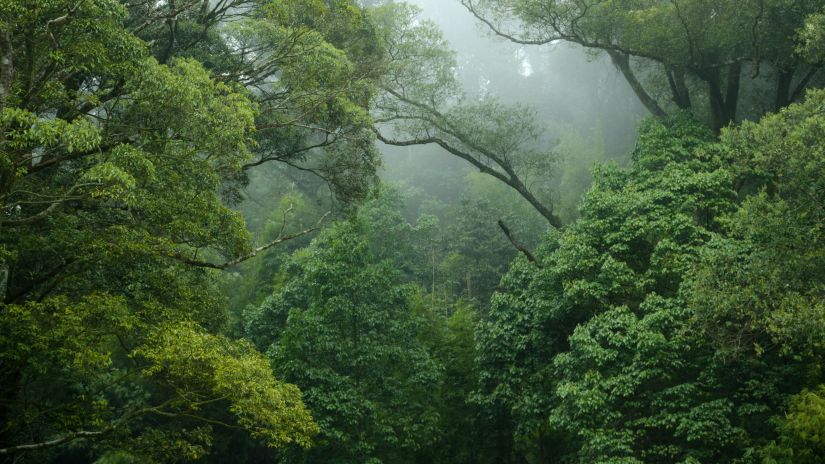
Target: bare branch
(48, 211)
(518, 245)
(50, 443)
(253, 253)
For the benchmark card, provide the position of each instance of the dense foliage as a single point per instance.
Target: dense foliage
(680, 315)
(163, 296)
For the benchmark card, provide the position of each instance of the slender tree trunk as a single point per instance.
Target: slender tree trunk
(469, 285)
(432, 287)
(7, 168)
(6, 68)
(622, 62)
(678, 89)
(797, 93)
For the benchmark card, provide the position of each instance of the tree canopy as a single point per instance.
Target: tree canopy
(201, 259)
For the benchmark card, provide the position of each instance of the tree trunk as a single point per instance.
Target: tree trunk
(798, 92)
(716, 100)
(678, 89)
(7, 169)
(6, 68)
(622, 62)
(783, 89)
(723, 106)
(548, 214)
(732, 94)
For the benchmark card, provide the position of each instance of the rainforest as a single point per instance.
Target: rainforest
(433, 231)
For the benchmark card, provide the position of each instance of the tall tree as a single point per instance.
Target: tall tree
(341, 327)
(120, 158)
(717, 55)
(667, 323)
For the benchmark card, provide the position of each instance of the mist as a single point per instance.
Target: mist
(586, 109)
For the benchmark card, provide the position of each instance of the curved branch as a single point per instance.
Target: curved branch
(472, 9)
(446, 146)
(622, 61)
(510, 178)
(46, 212)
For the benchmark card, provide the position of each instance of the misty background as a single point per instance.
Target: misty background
(583, 104)
(588, 115)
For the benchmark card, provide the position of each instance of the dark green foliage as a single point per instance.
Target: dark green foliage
(341, 326)
(672, 320)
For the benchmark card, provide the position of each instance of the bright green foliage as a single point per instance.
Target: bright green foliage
(679, 319)
(341, 327)
(183, 355)
(800, 431)
(115, 168)
(812, 37)
(635, 237)
(64, 349)
(73, 353)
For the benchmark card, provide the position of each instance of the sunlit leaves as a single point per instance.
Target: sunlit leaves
(209, 367)
(812, 38)
(114, 166)
(801, 440)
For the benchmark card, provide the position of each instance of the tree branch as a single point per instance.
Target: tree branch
(50, 443)
(518, 245)
(46, 212)
(803, 84)
(509, 178)
(622, 61)
(252, 254)
(60, 21)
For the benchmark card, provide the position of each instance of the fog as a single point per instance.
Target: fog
(583, 104)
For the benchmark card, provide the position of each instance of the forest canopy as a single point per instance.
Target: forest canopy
(475, 231)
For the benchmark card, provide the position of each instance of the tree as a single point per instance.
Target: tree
(120, 158)
(421, 103)
(682, 312)
(637, 231)
(308, 66)
(702, 50)
(340, 326)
